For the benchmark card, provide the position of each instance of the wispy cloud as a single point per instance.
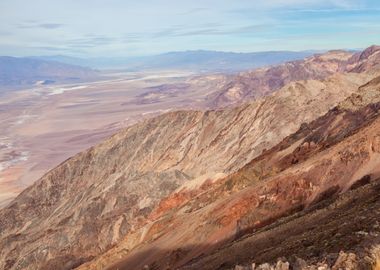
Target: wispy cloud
(123, 27)
(35, 24)
(51, 48)
(50, 25)
(273, 4)
(217, 30)
(90, 41)
(332, 10)
(5, 33)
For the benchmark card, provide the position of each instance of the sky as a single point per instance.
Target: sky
(123, 28)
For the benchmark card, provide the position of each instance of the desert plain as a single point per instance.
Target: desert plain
(42, 126)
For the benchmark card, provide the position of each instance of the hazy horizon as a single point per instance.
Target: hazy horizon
(177, 52)
(118, 28)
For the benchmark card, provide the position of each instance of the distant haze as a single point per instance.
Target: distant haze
(187, 60)
(28, 71)
(25, 72)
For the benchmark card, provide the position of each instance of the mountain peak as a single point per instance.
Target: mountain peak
(369, 51)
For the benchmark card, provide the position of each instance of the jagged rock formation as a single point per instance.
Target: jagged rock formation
(183, 181)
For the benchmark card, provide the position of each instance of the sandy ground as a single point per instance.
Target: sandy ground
(43, 126)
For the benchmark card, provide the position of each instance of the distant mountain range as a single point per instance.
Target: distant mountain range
(187, 60)
(20, 72)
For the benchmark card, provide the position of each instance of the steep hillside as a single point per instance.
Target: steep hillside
(221, 90)
(257, 83)
(141, 182)
(330, 169)
(238, 218)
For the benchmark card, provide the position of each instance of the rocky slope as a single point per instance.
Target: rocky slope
(141, 183)
(238, 218)
(223, 90)
(261, 82)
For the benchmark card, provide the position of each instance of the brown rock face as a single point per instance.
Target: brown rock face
(366, 60)
(187, 182)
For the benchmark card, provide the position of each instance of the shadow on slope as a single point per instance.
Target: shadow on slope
(348, 222)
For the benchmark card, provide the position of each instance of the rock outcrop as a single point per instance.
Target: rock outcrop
(346, 261)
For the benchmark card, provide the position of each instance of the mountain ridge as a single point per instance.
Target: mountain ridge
(80, 209)
(197, 60)
(228, 213)
(25, 72)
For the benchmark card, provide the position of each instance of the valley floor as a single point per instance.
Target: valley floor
(43, 126)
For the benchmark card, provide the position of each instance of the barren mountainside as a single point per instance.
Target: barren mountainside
(224, 90)
(183, 188)
(233, 220)
(261, 82)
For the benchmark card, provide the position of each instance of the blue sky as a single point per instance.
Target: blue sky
(92, 28)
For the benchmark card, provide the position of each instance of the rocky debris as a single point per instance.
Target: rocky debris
(374, 256)
(282, 265)
(265, 266)
(345, 261)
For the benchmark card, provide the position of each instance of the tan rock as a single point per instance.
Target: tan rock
(282, 265)
(265, 266)
(346, 261)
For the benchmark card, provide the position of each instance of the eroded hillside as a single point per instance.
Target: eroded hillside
(197, 180)
(254, 214)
